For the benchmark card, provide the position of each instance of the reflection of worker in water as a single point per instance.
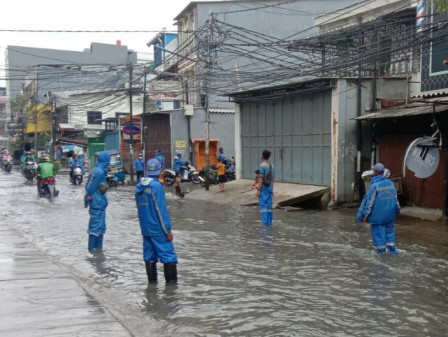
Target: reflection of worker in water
(379, 207)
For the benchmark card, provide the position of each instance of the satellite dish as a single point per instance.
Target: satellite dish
(422, 157)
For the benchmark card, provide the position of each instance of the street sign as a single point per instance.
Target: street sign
(422, 157)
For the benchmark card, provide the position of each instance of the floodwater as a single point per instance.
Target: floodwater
(313, 273)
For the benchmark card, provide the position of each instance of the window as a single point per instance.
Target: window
(94, 117)
(62, 114)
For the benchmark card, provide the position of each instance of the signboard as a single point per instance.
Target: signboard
(181, 144)
(127, 132)
(420, 159)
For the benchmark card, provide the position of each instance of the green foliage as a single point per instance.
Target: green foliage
(56, 167)
(342, 53)
(441, 6)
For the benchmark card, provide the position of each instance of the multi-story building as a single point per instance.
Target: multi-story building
(212, 59)
(379, 94)
(3, 117)
(82, 88)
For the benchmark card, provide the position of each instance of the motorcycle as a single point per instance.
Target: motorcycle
(48, 189)
(111, 179)
(230, 171)
(189, 174)
(7, 163)
(212, 175)
(29, 170)
(76, 178)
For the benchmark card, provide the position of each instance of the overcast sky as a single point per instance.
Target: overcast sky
(84, 15)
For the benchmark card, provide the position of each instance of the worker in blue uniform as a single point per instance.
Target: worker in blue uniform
(139, 166)
(96, 200)
(379, 207)
(155, 225)
(265, 188)
(160, 158)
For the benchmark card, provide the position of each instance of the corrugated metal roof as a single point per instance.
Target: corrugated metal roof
(412, 110)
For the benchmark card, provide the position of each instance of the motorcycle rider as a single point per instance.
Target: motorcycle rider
(75, 162)
(25, 158)
(45, 170)
(96, 200)
(177, 167)
(155, 225)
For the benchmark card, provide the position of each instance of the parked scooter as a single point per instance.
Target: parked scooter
(212, 174)
(29, 170)
(189, 174)
(48, 189)
(76, 178)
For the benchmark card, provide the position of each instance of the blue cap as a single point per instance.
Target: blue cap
(178, 153)
(153, 167)
(378, 167)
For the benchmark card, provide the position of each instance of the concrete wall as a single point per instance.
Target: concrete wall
(222, 127)
(344, 147)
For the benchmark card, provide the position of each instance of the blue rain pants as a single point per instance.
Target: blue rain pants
(156, 247)
(383, 236)
(95, 242)
(265, 205)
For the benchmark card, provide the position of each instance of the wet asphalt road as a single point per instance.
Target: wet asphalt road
(313, 273)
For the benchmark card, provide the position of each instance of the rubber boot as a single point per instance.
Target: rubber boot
(380, 250)
(92, 243)
(391, 248)
(177, 188)
(151, 271)
(170, 271)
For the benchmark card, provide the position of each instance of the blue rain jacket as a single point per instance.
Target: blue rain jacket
(75, 162)
(178, 162)
(223, 159)
(381, 204)
(139, 165)
(151, 206)
(161, 159)
(96, 177)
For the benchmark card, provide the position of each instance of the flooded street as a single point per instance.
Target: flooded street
(313, 273)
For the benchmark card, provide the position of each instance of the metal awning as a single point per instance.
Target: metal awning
(221, 111)
(409, 111)
(64, 126)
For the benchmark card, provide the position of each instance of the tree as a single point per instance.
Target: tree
(441, 6)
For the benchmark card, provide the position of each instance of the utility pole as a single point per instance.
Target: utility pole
(207, 94)
(35, 114)
(142, 126)
(131, 124)
(35, 126)
(52, 105)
